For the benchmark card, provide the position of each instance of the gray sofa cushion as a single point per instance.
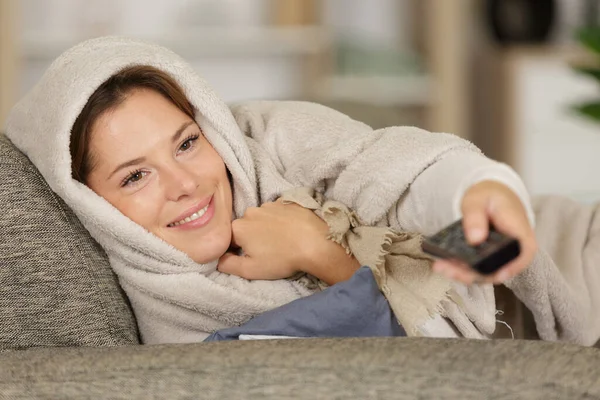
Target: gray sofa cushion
(56, 286)
(381, 368)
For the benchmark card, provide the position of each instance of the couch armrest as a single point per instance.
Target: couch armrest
(383, 368)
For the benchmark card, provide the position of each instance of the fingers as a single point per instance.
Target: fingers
(237, 237)
(242, 266)
(459, 272)
(463, 273)
(475, 219)
(492, 202)
(516, 266)
(506, 219)
(517, 226)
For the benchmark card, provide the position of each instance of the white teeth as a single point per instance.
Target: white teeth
(192, 217)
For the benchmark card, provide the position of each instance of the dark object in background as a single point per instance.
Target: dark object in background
(520, 21)
(486, 258)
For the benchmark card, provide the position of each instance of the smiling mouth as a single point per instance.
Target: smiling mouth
(191, 218)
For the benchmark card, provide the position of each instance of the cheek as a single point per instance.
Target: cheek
(213, 167)
(137, 208)
(142, 209)
(225, 183)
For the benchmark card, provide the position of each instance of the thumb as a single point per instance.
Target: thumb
(475, 218)
(242, 266)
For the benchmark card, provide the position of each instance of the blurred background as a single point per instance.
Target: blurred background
(499, 73)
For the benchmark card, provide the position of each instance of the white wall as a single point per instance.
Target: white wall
(384, 23)
(236, 73)
(137, 17)
(558, 151)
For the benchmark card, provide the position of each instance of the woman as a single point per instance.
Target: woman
(157, 166)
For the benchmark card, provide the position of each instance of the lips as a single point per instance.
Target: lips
(192, 213)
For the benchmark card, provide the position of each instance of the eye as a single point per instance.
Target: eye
(188, 143)
(133, 177)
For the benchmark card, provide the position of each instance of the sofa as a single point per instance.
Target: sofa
(68, 331)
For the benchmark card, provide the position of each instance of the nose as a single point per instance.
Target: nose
(178, 182)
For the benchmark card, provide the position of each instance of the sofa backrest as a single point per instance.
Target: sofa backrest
(56, 285)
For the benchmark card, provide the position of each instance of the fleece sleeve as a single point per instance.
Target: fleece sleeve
(444, 184)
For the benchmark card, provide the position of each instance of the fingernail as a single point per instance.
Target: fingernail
(476, 234)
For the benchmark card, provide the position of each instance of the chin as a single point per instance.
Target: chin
(206, 244)
(206, 254)
(206, 258)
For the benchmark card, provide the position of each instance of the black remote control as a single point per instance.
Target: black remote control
(486, 258)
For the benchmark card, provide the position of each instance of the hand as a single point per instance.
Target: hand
(492, 202)
(279, 240)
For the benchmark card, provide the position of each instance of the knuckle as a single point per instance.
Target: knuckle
(469, 219)
(233, 268)
(471, 197)
(472, 207)
(474, 219)
(224, 268)
(244, 274)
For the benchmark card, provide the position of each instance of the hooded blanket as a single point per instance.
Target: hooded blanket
(401, 177)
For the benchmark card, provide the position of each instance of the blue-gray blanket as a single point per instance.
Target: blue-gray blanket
(354, 308)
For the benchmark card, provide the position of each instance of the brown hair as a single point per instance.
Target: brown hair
(109, 96)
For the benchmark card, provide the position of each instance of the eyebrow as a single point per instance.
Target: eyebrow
(179, 131)
(139, 160)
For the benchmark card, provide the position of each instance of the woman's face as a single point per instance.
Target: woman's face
(151, 161)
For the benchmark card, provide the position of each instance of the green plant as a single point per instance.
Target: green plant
(589, 37)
